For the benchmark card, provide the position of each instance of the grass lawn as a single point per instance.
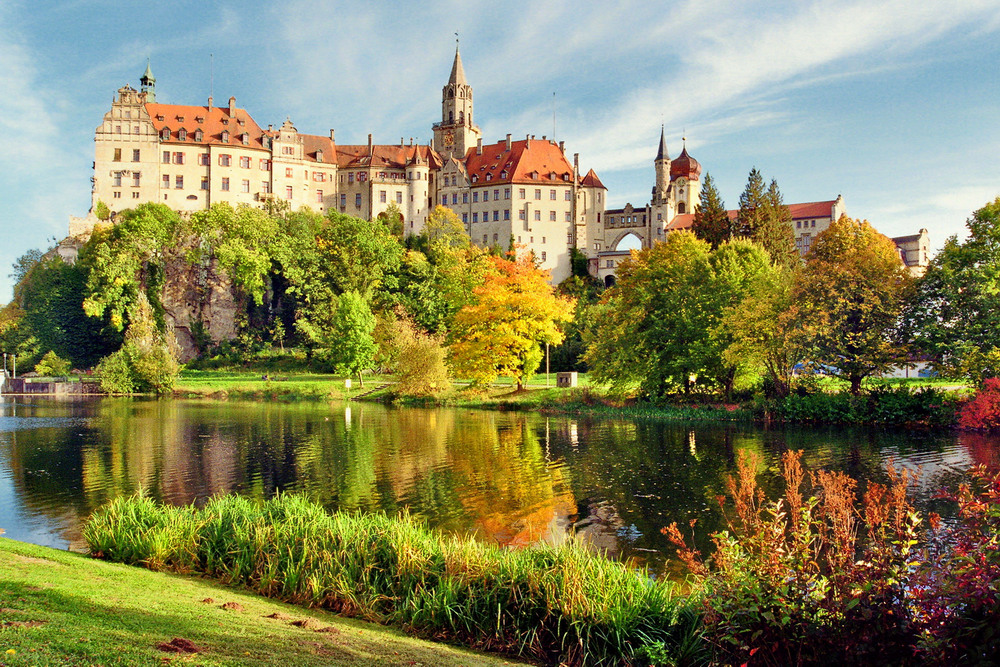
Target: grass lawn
(59, 608)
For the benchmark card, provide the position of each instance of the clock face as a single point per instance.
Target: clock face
(449, 138)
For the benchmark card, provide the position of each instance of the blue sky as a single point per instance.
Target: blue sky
(895, 105)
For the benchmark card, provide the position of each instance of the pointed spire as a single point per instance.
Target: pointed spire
(457, 73)
(148, 83)
(662, 153)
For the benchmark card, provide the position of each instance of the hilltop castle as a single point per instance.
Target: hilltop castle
(524, 191)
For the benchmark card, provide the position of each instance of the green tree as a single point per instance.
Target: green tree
(344, 340)
(764, 219)
(146, 362)
(512, 314)
(852, 292)
(52, 365)
(658, 327)
(711, 220)
(955, 316)
(101, 211)
(392, 218)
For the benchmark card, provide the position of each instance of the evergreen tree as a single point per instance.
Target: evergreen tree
(711, 221)
(765, 220)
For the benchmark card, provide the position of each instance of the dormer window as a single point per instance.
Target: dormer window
(319, 156)
(165, 134)
(198, 135)
(182, 134)
(225, 136)
(534, 175)
(199, 119)
(180, 119)
(489, 177)
(241, 122)
(503, 174)
(246, 139)
(159, 118)
(475, 178)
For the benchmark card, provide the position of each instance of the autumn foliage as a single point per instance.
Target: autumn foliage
(983, 411)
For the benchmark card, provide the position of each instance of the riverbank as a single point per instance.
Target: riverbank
(58, 607)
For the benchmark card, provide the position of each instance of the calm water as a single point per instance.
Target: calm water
(510, 478)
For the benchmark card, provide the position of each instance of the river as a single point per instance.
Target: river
(506, 477)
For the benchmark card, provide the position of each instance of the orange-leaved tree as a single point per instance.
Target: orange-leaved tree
(511, 315)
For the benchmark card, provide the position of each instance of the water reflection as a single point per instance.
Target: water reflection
(510, 478)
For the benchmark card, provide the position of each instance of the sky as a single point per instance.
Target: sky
(894, 105)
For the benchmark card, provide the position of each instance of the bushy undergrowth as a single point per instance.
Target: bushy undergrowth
(820, 576)
(982, 413)
(557, 605)
(882, 404)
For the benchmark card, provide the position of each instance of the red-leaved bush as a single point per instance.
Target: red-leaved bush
(983, 411)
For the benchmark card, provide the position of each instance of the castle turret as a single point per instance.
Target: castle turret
(456, 132)
(147, 84)
(661, 190)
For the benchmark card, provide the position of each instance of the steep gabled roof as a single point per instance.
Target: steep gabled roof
(211, 121)
(391, 156)
(527, 162)
(814, 209)
(592, 181)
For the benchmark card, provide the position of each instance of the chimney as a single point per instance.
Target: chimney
(411, 141)
(479, 146)
(527, 141)
(508, 144)
(209, 102)
(232, 106)
(331, 134)
(576, 164)
(270, 127)
(401, 141)
(562, 147)
(544, 137)
(370, 144)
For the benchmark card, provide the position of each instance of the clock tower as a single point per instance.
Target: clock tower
(456, 133)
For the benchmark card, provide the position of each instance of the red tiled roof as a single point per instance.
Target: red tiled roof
(682, 221)
(393, 156)
(214, 121)
(815, 209)
(528, 161)
(312, 144)
(592, 181)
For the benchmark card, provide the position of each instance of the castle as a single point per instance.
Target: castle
(523, 191)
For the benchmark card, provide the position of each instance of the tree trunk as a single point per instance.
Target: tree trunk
(855, 385)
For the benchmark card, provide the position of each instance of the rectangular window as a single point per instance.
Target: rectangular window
(569, 195)
(204, 183)
(496, 195)
(118, 195)
(538, 193)
(520, 214)
(118, 155)
(475, 197)
(399, 197)
(496, 216)
(569, 217)
(288, 192)
(225, 185)
(465, 218)
(475, 217)
(166, 157)
(245, 185)
(288, 172)
(178, 158)
(486, 195)
(552, 195)
(454, 198)
(166, 181)
(319, 177)
(225, 160)
(135, 179)
(381, 196)
(444, 200)
(265, 187)
(506, 193)
(178, 182)
(552, 216)
(135, 195)
(506, 214)
(117, 179)
(357, 200)
(520, 193)
(265, 165)
(485, 239)
(343, 201)
(543, 256)
(245, 162)
(319, 196)
(496, 238)
(203, 159)
(350, 178)
(135, 155)
(538, 215)
(465, 197)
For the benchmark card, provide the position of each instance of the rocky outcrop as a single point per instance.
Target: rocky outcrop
(199, 293)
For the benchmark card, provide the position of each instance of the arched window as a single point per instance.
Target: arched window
(609, 281)
(681, 208)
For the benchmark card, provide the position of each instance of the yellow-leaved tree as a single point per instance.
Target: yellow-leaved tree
(512, 314)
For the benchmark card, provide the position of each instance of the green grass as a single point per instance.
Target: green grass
(558, 605)
(59, 608)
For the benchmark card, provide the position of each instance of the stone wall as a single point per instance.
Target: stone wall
(198, 292)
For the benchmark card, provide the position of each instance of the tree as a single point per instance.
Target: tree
(766, 328)
(146, 362)
(764, 219)
(344, 341)
(659, 325)
(711, 220)
(852, 292)
(955, 316)
(52, 365)
(101, 211)
(511, 315)
(392, 218)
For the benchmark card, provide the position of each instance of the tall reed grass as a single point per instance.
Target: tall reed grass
(560, 605)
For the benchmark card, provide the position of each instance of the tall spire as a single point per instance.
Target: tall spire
(148, 83)
(457, 73)
(662, 153)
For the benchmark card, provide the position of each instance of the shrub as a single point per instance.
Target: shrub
(983, 411)
(52, 365)
(147, 362)
(421, 369)
(786, 586)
